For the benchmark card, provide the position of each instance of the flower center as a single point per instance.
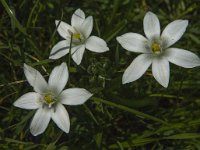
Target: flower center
(156, 48)
(49, 100)
(76, 36)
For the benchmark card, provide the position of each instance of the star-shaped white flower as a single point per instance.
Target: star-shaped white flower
(156, 51)
(78, 35)
(49, 98)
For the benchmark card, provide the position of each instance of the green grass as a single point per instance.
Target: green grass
(141, 115)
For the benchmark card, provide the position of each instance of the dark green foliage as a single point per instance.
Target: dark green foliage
(140, 115)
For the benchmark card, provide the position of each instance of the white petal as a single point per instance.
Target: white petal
(151, 26)
(74, 96)
(87, 26)
(60, 49)
(35, 79)
(64, 29)
(58, 78)
(160, 70)
(77, 53)
(134, 42)
(77, 18)
(96, 44)
(182, 57)
(173, 32)
(61, 117)
(40, 121)
(29, 100)
(137, 68)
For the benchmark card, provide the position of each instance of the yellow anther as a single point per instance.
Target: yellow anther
(155, 47)
(77, 36)
(48, 99)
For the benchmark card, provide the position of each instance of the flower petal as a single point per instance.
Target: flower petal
(160, 70)
(173, 32)
(137, 68)
(134, 42)
(29, 100)
(58, 78)
(40, 121)
(61, 118)
(96, 44)
(77, 18)
(87, 26)
(182, 57)
(35, 79)
(60, 49)
(151, 25)
(74, 96)
(64, 29)
(77, 53)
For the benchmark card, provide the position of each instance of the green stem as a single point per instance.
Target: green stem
(131, 110)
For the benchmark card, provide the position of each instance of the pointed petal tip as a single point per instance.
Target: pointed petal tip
(56, 22)
(90, 95)
(106, 49)
(78, 9)
(185, 23)
(149, 12)
(15, 104)
(67, 130)
(124, 80)
(50, 57)
(118, 38)
(77, 63)
(91, 17)
(25, 65)
(35, 133)
(64, 64)
(165, 85)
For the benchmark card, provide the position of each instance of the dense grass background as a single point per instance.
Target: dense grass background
(140, 115)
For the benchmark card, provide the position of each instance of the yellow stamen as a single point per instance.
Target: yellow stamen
(48, 99)
(77, 36)
(156, 48)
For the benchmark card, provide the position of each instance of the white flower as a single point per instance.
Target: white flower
(78, 34)
(156, 51)
(49, 98)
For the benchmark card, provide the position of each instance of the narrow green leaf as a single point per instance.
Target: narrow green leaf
(183, 136)
(12, 16)
(131, 110)
(115, 31)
